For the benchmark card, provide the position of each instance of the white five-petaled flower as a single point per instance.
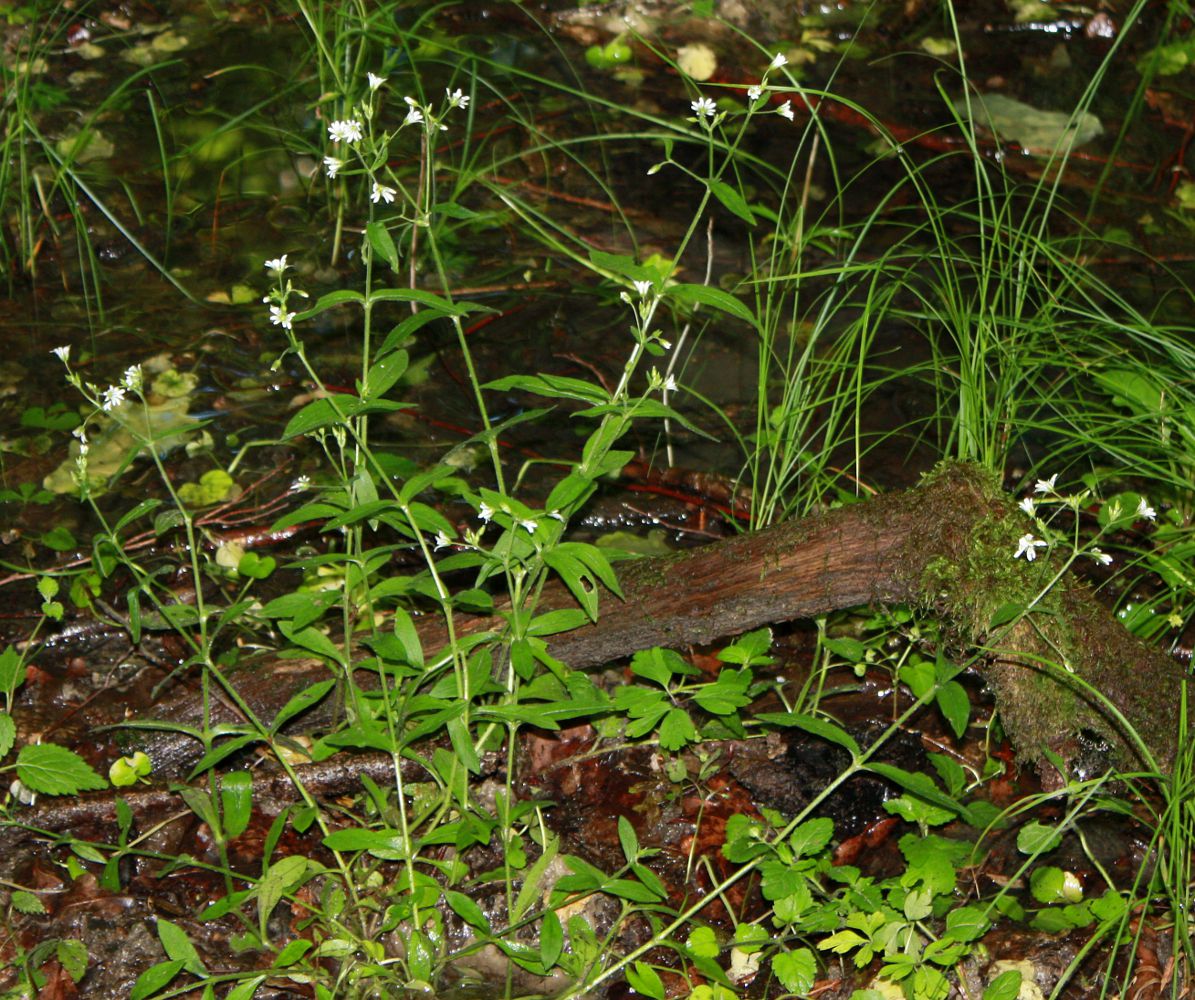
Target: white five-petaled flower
(1046, 485)
(332, 165)
(1101, 557)
(62, 353)
(375, 81)
(414, 116)
(778, 60)
(704, 107)
(530, 524)
(1145, 510)
(786, 110)
(280, 317)
(300, 484)
(643, 288)
(381, 193)
(276, 266)
(669, 384)
(1028, 506)
(113, 397)
(754, 93)
(485, 512)
(133, 378)
(442, 541)
(1028, 546)
(348, 130)
(456, 99)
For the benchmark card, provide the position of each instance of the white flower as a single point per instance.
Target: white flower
(556, 514)
(22, 794)
(1028, 546)
(332, 165)
(62, 353)
(1028, 506)
(84, 448)
(276, 266)
(375, 81)
(348, 130)
(1046, 485)
(280, 317)
(786, 110)
(530, 524)
(380, 193)
(754, 93)
(80, 432)
(133, 379)
(1145, 510)
(113, 397)
(442, 541)
(670, 384)
(643, 288)
(778, 60)
(301, 484)
(485, 512)
(456, 99)
(1101, 557)
(704, 107)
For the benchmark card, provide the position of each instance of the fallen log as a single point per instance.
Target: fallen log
(948, 544)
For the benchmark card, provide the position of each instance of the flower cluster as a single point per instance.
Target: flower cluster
(1045, 493)
(278, 296)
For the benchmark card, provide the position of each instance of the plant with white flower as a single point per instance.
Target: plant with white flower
(1145, 510)
(1028, 506)
(276, 266)
(375, 81)
(280, 317)
(133, 378)
(1100, 556)
(1027, 546)
(457, 99)
(1046, 485)
(332, 165)
(382, 193)
(348, 130)
(754, 93)
(529, 524)
(63, 353)
(112, 398)
(442, 541)
(786, 111)
(779, 60)
(704, 110)
(414, 112)
(644, 288)
(485, 512)
(301, 484)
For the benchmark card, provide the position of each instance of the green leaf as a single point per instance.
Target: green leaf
(814, 726)
(967, 923)
(282, 876)
(312, 640)
(702, 943)
(468, 910)
(645, 981)
(552, 386)
(53, 770)
(553, 622)
(677, 730)
(236, 801)
(301, 702)
(715, 298)
(1006, 986)
(1037, 838)
(8, 733)
(154, 978)
(246, 989)
(842, 942)
(382, 243)
(731, 200)
(428, 300)
(385, 843)
(811, 836)
(10, 670)
(72, 956)
(384, 373)
(551, 939)
(627, 839)
(955, 706)
(329, 411)
(796, 970)
(178, 947)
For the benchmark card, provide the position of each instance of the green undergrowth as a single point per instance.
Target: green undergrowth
(417, 881)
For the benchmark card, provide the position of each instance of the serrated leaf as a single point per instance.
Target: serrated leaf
(796, 970)
(702, 943)
(811, 836)
(72, 956)
(677, 730)
(49, 769)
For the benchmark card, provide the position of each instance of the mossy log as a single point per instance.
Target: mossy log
(948, 545)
